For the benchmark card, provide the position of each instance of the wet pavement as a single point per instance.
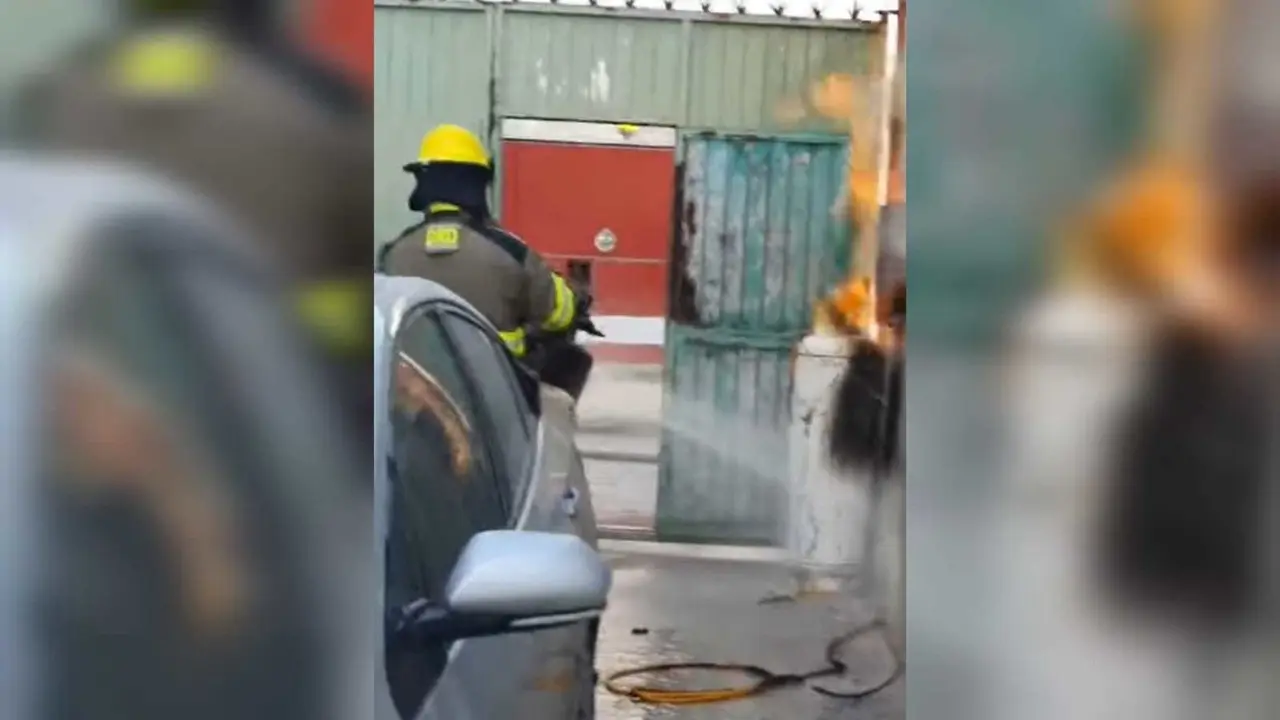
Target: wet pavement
(620, 414)
(690, 604)
(667, 608)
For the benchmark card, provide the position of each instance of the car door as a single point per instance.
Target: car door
(538, 473)
(445, 488)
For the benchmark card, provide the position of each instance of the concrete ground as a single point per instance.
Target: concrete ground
(680, 604)
(620, 413)
(675, 603)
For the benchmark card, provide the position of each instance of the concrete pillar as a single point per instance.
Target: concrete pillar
(829, 510)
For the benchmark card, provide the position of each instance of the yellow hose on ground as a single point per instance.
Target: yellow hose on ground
(765, 681)
(662, 696)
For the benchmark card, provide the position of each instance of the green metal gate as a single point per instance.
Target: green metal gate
(759, 237)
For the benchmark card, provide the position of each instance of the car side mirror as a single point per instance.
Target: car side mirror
(507, 582)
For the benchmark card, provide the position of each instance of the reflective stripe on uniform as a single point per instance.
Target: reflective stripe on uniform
(337, 313)
(562, 313)
(514, 340)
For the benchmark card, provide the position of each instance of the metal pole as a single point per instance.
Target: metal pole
(868, 240)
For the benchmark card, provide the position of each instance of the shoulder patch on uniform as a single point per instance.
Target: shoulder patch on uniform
(441, 238)
(509, 243)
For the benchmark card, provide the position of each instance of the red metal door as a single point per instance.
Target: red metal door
(600, 210)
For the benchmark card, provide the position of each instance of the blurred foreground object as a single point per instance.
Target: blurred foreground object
(1142, 427)
(342, 31)
(1157, 234)
(185, 526)
(216, 95)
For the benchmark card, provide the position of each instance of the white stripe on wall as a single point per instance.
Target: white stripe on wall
(628, 330)
(588, 133)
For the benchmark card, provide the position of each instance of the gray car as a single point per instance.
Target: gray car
(491, 586)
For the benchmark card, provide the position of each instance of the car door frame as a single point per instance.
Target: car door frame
(450, 697)
(537, 695)
(541, 507)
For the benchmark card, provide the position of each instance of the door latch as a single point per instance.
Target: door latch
(570, 501)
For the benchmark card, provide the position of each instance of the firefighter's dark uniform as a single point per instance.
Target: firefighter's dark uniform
(275, 141)
(495, 271)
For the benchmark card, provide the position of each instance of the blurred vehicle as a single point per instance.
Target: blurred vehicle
(179, 505)
(489, 531)
(221, 96)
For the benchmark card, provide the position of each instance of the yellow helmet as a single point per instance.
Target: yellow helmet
(452, 144)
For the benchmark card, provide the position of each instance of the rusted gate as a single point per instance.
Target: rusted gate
(758, 239)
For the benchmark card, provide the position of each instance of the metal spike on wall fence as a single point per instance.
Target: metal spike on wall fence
(857, 10)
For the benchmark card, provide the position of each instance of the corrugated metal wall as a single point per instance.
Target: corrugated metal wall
(757, 243)
(749, 77)
(591, 68)
(429, 68)
(743, 73)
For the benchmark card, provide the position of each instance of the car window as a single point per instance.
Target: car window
(513, 423)
(444, 489)
(169, 550)
(435, 415)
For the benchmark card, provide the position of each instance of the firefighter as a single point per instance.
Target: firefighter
(214, 94)
(459, 246)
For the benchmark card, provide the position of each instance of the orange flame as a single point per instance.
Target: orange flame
(852, 102)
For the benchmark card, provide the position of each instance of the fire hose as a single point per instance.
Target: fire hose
(764, 680)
